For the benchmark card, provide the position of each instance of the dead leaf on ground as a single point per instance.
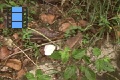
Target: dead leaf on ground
(65, 24)
(4, 52)
(53, 35)
(82, 23)
(14, 64)
(74, 41)
(47, 18)
(20, 73)
(15, 35)
(64, 27)
(2, 26)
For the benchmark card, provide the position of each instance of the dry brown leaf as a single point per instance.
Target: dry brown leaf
(53, 35)
(64, 27)
(82, 23)
(4, 52)
(15, 35)
(1, 26)
(20, 73)
(65, 24)
(47, 18)
(14, 64)
(73, 41)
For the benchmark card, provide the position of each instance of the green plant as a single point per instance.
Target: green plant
(1, 19)
(38, 76)
(78, 60)
(72, 31)
(26, 34)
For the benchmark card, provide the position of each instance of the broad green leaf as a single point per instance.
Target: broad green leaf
(78, 54)
(55, 55)
(84, 78)
(82, 68)
(96, 51)
(69, 72)
(30, 76)
(107, 65)
(44, 77)
(86, 59)
(90, 74)
(98, 64)
(103, 64)
(65, 54)
(38, 72)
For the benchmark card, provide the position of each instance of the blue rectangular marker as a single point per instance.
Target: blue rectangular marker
(16, 9)
(16, 24)
(17, 17)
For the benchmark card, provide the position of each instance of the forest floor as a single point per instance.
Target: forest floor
(64, 40)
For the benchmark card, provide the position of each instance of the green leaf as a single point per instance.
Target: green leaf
(78, 54)
(86, 59)
(103, 64)
(96, 51)
(30, 76)
(65, 55)
(38, 72)
(43, 77)
(55, 55)
(98, 64)
(69, 72)
(89, 74)
(82, 68)
(13, 3)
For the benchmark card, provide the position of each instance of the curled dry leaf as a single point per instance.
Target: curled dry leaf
(14, 64)
(47, 18)
(82, 23)
(74, 41)
(4, 52)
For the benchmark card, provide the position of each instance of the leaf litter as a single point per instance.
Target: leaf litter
(50, 18)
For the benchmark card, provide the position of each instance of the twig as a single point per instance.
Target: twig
(26, 55)
(25, 50)
(42, 35)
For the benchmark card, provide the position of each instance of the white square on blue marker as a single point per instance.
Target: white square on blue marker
(16, 16)
(16, 24)
(16, 9)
